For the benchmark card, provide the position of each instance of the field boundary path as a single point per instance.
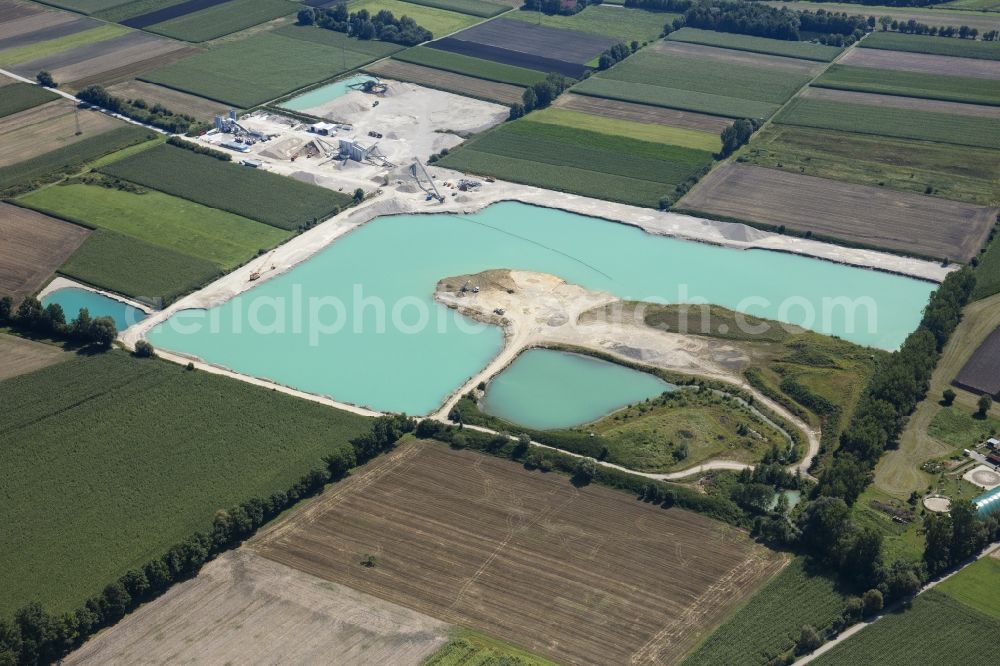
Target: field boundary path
(844, 635)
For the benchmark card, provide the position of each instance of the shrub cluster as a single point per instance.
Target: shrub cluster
(156, 115)
(200, 149)
(32, 319)
(562, 7)
(540, 95)
(38, 637)
(362, 25)
(737, 134)
(616, 54)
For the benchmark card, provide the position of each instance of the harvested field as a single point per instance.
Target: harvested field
(961, 173)
(869, 216)
(944, 46)
(899, 102)
(223, 19)
(270, 614)
(641, 113)
(579, 575)
(556, 43)
(22, 356)
(59, 45)
(85, 6)
(19, 96)
(171, 11)
(778, 47)
(128, 70)
(522, 44)
(48, 127)
(93, 60)
(447, 81)
(38, 28)
(895, 122)
(34, 246)
(509, 57)
(734, 57)
(981, 373)
(912, 84)
(15, 9)
(922, 62)
(673, 136)
(197, 107)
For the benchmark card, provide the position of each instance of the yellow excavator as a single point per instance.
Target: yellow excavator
(256, 274)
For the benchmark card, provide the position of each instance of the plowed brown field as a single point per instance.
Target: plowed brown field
(872, 216)
(33, 247)
(583, 576)
(641, 113)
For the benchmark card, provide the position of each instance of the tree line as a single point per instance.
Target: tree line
(34, 636)
(362, 24)
(540, 95)
(32, 319)
(138, 109)
(561, 7)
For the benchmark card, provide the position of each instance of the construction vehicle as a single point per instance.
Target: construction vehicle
(257, 273)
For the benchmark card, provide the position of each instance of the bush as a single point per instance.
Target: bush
(144, 350)
(948, 397)
(45, 79)
(809, 640)
(871, 602)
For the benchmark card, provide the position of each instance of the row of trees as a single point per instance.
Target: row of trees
(156, 115)
(363, 25)
(737, 134)
(562, 7)
(540, 95)
(50, 322)
(894, 392)
(914, 27)
(35, 636)
(953, 537)
(616, 54)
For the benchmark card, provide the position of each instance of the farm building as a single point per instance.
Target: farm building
(988, 502)
(981, 373)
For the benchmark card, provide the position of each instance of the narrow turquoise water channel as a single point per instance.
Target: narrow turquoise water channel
(98, 305)
(385, 273)
(546, 389)
(325, 94)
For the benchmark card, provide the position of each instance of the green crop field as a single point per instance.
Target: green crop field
(946, 46)
(20, 96)
(276, 200)
(49, 47)
(257, 69)
(69, 158)
(223, 19)
(975, 5)
(780, 47)
(471, 648)
(936, 630)
(960, 429)
(912, 84)
(769, 624)
(653, 132)
(133, 267)
(673, 98)
(901, 123)
(477, 67)
(116, 459)
(988, 270)
(593, 164)
(440, 22)
(709, 77)
(975, 586)
(962, 173)
(479, 8)
(339, 40)
(627, 25)
(222, 238)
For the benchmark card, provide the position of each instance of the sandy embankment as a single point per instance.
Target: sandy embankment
(540, 310)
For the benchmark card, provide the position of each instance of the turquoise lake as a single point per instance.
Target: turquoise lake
(546, 389)
(325, 94)
(98, 305)
(392, 264)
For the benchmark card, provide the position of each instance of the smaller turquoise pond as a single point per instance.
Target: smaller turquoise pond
(71, 299)
(545, 389)
(325, 94)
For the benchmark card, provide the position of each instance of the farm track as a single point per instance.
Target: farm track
(517, 554)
